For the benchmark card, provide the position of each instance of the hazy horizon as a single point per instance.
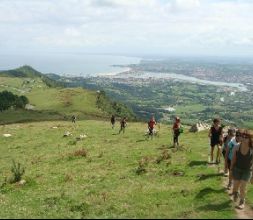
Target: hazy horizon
(93, 64)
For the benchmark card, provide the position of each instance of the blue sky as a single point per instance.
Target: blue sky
(179, 27)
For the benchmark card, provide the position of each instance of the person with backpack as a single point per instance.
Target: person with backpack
(230, 147)
(113, 121)
(177, 130)
(123, 124)
(229, 137)
(242, 164)
(151, 126)
(216, 139)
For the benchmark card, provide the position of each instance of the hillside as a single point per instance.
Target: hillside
(105, 183)
(51, 102)
(29, 72)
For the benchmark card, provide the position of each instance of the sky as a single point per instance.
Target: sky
(173, 27)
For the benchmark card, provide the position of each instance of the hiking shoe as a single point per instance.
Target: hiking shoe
(241, 204)
(235, 196)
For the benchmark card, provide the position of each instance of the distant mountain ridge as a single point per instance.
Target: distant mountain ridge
(29, 72)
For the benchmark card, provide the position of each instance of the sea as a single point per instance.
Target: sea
(69, 64)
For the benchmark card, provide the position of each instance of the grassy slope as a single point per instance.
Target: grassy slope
(105, 183)
(50, 103)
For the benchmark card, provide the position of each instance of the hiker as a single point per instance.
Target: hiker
(151, 126)
(242, 166)
(176, 131)
(216, 137)
(113, 121)
(227, 139)
(230, 147)
(73, 118)
(123, 124)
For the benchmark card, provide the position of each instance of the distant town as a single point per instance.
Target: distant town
(197, 91)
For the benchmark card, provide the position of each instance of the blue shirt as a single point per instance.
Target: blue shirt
(231, 145)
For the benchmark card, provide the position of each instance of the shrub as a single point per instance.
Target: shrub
(8, 100)
(17, 172)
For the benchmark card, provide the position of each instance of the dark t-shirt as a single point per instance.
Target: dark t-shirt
(244, 162)
(216, 134)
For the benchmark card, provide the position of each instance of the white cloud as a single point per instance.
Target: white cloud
(132, 26)
(185, 4)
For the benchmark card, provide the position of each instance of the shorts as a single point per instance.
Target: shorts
(151, 131)
(242, 175)
(214, 143)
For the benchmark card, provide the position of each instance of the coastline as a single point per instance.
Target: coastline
(108, 74)
(168, 76)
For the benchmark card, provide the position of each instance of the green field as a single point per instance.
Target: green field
(105, 184)
(56, 103)
(54, 100)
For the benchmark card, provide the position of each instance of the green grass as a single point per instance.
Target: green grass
(105, 183)
(50, 103)
(12, 82)
(65, 101)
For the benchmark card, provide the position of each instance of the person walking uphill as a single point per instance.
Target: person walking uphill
(216, 137)
(113, 121)
(233, 143)
(176, 131)
(226, 141)
(123, 124)
(242, 164)
(151, 126)
(73, 119)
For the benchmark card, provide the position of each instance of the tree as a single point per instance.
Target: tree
(8, 100)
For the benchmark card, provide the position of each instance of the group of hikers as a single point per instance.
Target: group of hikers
(177, 128)
(236, 146)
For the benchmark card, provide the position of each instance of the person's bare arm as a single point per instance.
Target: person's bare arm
(221, 136)
(210, 133)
